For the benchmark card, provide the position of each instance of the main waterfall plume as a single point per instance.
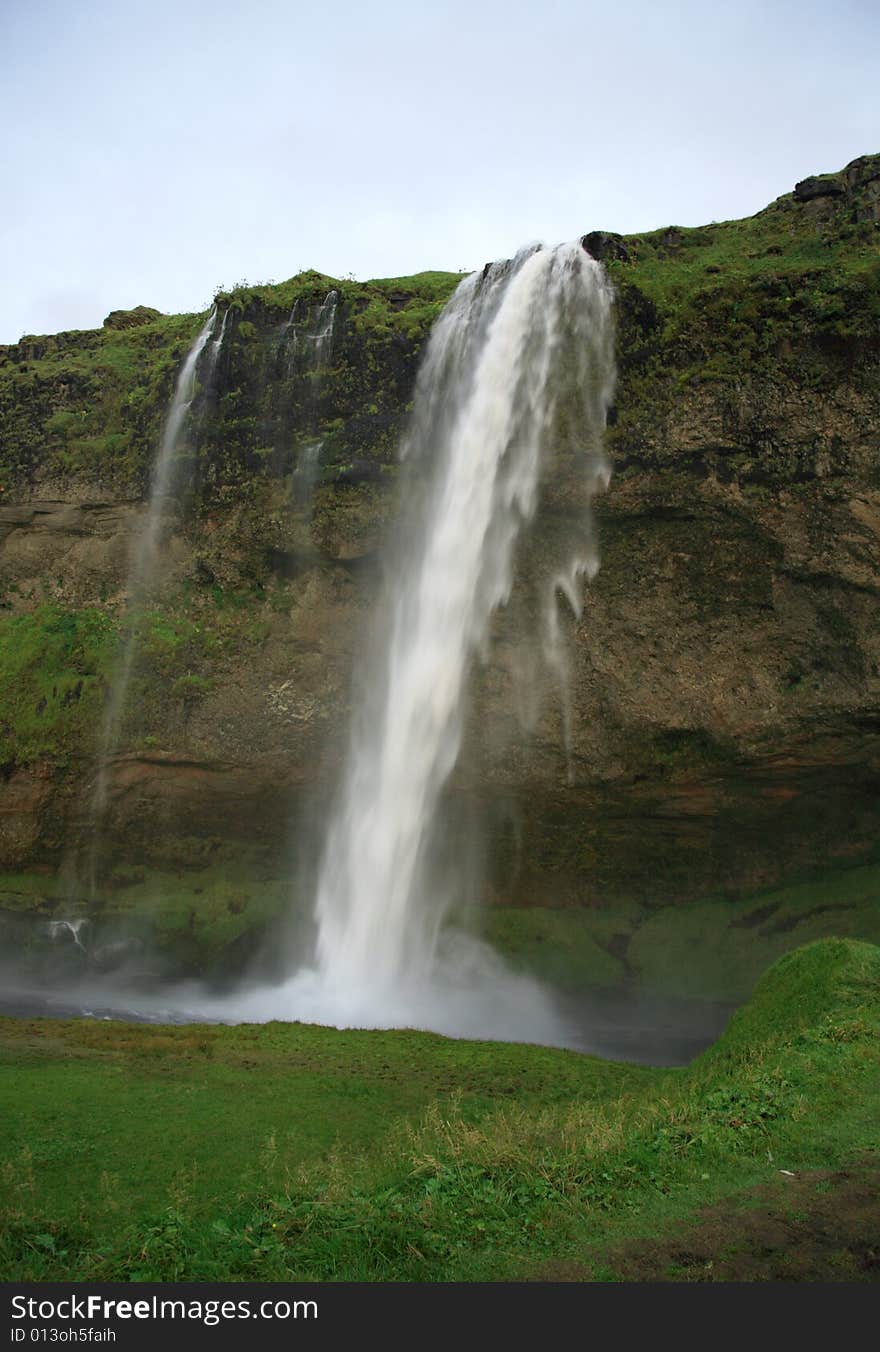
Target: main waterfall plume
(519, 369)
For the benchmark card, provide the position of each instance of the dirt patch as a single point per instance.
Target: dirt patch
(819, 1226)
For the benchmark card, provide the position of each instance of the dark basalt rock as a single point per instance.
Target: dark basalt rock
(810, 188)
(864, 170)
(605, 244)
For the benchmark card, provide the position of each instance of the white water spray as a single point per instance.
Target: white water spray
(314, 340)
(519, 368)
(322, 335)
(305, 473)
(216, 345)
(56, 929)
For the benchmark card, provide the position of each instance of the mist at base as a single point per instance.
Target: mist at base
(467, 992)
(472, 995)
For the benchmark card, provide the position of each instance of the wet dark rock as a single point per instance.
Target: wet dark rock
(605, 244)
(355, 472)
(810, 188)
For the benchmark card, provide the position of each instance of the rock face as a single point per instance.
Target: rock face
(130, 319)
(725, 683)
(810, 188)
(605, 246)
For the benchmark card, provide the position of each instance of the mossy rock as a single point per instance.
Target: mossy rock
(131, 319)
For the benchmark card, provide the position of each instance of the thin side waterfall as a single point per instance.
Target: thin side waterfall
(166, 481)
(312, 348)
(322, 335)
(217, 343)
(519, 370)
(305, 474)
(166, 485)
(315, 339)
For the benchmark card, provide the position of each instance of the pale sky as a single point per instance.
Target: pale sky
(154, 150)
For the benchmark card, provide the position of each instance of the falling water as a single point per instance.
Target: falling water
(322, 334)
(56, 929)
(216, 345)
(519, 368)
(316, 339)
(165, 484)
(165, 487)
(315, 344)
(305, 473)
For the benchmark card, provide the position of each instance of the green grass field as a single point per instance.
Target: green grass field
(286, 1152)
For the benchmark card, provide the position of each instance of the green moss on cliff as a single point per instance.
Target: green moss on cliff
(88, 404)
(272, 400)
(52, 668)
(787, 298)
(56, 665)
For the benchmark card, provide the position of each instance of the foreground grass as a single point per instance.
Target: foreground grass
(289, 1153)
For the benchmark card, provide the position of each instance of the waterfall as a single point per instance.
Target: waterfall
(305, 473)
(166, 481)
(216, 345)
(166, 485)
(58, 928)
(518, 371)
(322, 334)
(313, 347)
(316, 339)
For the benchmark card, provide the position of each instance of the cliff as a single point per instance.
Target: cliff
(725, 731)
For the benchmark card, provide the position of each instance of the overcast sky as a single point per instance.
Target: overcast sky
(154, 150)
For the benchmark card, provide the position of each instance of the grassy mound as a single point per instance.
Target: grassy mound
(290, 1153)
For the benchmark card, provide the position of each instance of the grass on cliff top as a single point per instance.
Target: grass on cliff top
(407, 305)
(790, 294)
(90, 404)
(378, 311)
(290, 1153)
(313, 286)
(721, 301)
(780, 244)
